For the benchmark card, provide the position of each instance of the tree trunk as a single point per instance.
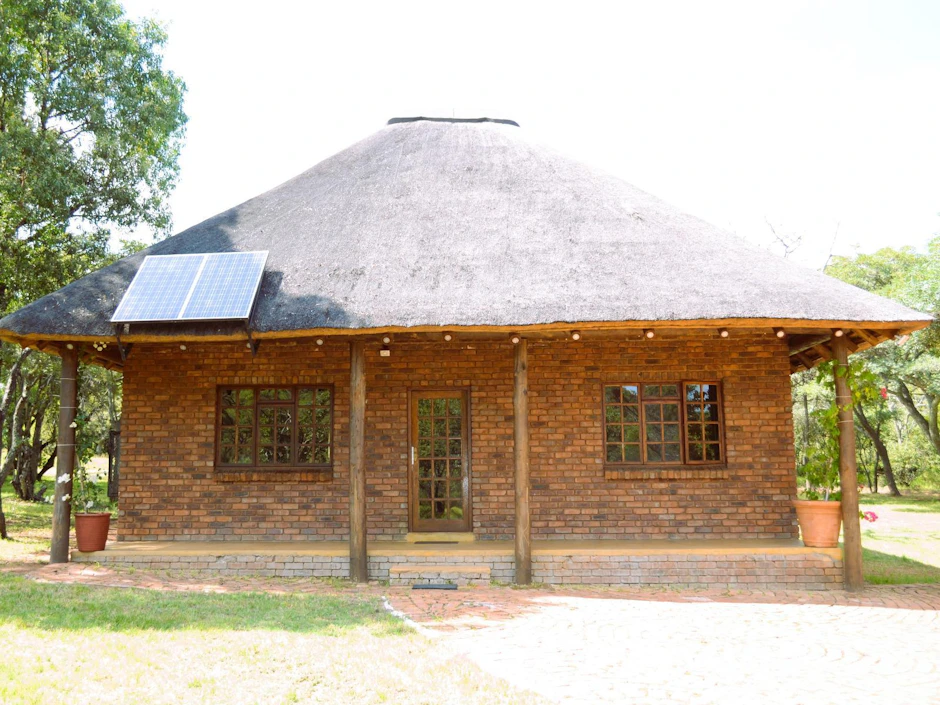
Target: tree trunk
(928, 424)
(875, 435)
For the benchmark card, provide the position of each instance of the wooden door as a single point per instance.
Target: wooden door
(440, 461)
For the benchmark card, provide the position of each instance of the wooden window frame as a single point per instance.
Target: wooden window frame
(682, 400)
(294, 404)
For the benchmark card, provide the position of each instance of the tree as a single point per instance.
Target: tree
(909, 367)
(90, 130)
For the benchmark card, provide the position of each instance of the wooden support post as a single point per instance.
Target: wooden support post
(65, 458)
(520, 403)
(358, 558)
(848, 472)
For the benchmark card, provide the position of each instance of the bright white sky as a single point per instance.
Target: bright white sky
(822, 118)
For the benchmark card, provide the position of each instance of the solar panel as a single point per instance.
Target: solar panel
(215, 286)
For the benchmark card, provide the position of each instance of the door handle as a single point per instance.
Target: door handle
(412, 455)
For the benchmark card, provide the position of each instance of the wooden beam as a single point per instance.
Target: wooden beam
(65, 457)
(868, 337)
(358, 558)
(805, 360)
(520, 405)
(848, 472)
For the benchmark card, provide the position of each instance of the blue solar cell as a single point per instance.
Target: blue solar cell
(193, 287)
(226, 287)
(159, 289)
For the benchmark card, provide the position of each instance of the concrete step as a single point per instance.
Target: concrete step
(425, 574)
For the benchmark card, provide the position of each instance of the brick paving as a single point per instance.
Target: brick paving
(643, 645)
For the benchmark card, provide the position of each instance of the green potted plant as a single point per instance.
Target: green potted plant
(819, 511)
(92, 517)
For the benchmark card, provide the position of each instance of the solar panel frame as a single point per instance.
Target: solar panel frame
(160, 293)
(233, 272)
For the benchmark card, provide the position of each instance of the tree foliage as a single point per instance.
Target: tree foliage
(90, 131)
(898, 428)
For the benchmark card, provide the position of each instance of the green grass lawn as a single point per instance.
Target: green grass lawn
(889, 569)
(921, 502)
(77, 644)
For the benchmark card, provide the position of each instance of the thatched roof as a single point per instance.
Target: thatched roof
(441, 223)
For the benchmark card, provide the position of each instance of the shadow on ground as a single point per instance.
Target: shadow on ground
(33, 605)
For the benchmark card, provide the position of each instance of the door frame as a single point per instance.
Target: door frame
(466, 524)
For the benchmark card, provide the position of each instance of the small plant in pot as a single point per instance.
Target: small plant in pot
(92, 517)
(819, 511)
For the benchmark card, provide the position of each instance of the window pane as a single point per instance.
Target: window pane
(695, 432)
(671, 432)
(323, 436)
(693, 392)
(631, 454)
(324, 397)
(246, 417)
(304, 454)
(244, 455)
(456, 489)
(652, 412)
(227, 455)
(456, 468)
(440, 428)
(228, 435)
(671, 452)
(651, 390)
(670, 412)
(710, 392)
(246, 397)
(693, 412)
(670, 390)
(424, 490)
(439, 508)
(614, 434)
(305, 397)
(614, 453)
(424, 468)
(266, 416)
(424, 407)
(439, 406)
(440, 468)
(612, 395)
(321, 454)
(712, 452)
(454, 446)
(284, 416)
(440, 447)
(283, 455)
(228, 397)
(630, 393)
(440, 489)
(654, 433)
(711, 432)
(631, 414)
(265, 455)
(711, 412)
(613, 413)
(695, 451)
(453, 407)
(323, 417)
(305, 417)
(284, 395)
(228, 417)
(654, 453)
(266, 434)
(424, 510)
(266, 394)
(631, 434)
(244, 435)
(454, 428)
(424, 448)
(424, 428)
(283, 434)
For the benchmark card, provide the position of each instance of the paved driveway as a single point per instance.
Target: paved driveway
(696, 647)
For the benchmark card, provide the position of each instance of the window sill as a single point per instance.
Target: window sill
(668, 472)
(294, 474)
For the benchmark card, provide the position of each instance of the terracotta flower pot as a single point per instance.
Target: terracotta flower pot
(91, 531)
(819, 522)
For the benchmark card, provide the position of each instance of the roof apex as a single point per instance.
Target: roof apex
(421, 118)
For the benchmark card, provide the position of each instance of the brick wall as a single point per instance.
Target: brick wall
(170, 489)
